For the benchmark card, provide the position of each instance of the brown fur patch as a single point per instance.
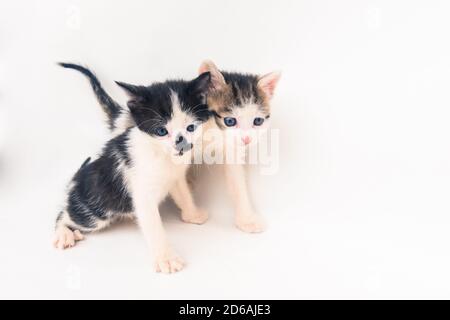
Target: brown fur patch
(221, 101)
(240, 89)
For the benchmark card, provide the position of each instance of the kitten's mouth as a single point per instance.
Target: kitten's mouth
(181, 150)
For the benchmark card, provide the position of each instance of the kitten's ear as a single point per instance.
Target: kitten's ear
(267, 83)
(134, 93)
(217, 79)
(200, 85)
(131, 90)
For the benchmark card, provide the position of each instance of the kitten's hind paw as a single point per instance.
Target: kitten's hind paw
(251, 224)
(66, 238)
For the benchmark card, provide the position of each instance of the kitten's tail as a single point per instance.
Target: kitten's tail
(111, 107)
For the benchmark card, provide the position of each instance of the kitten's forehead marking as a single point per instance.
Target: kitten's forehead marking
(247, 110)
(240, 91)
(174, 100)
(179, 117)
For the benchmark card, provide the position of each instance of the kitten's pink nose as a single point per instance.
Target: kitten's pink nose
(246, 139)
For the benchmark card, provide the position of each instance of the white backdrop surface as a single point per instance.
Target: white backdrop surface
(360, 206)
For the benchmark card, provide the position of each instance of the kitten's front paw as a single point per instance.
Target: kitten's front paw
(66, 238)
(250, 223)
(169, 262)
(199, 216)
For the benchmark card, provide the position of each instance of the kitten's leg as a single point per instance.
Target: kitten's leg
(65, 234)
(182, 196)
(245, 217)
(149, 220)
(68, 232)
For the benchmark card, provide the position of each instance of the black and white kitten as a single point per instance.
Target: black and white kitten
(140, 166)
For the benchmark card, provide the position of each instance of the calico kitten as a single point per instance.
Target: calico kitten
(241, 107)
(140, 166)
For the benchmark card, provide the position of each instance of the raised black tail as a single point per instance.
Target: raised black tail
(111, 107)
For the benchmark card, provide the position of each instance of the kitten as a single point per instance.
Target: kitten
(240, 104)
(241, 107)
(140, 166)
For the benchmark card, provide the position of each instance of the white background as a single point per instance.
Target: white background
(360, 206)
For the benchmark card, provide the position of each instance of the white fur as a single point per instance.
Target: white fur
(66, 238)
(123, 122)
(182, 196)
(155, 172)
(149, 180)
(245, 129)
(246, 218)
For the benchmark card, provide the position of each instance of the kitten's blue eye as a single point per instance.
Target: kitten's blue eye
(161, 132)
(258, 121)
(191, 127)
(229, 121)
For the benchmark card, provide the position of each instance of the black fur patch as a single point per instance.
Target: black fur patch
(98, 190)
(244, 88)
(151, 106)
